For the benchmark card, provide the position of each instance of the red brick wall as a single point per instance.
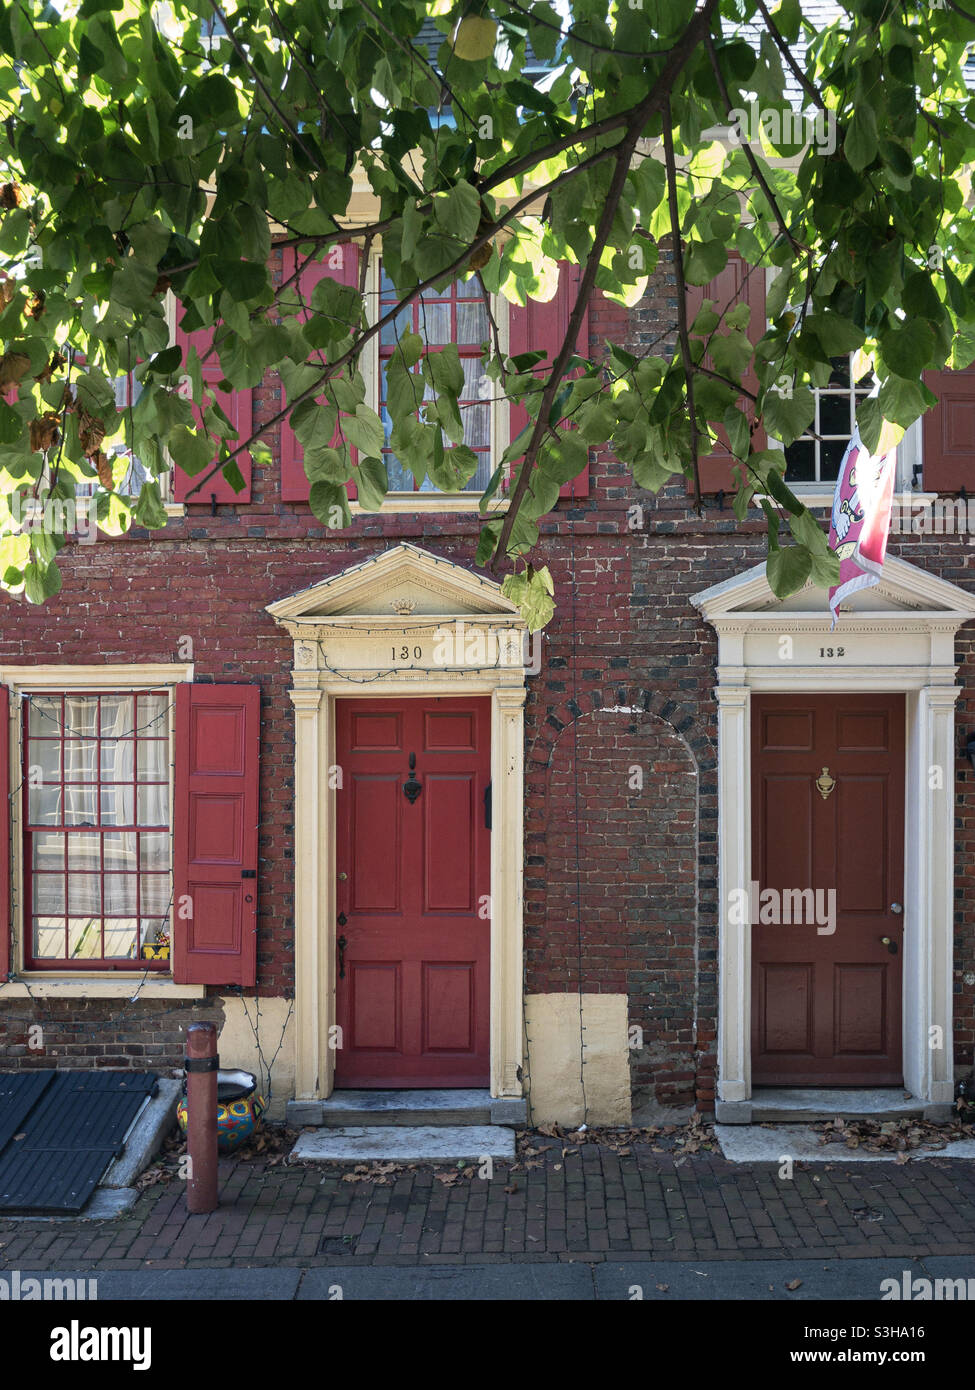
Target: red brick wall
(625, 635)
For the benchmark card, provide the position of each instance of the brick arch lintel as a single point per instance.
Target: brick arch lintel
(682, 717)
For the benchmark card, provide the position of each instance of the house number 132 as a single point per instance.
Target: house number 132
(832, 651)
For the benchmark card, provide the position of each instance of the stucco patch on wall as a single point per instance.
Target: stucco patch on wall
(577, 1070)
(258, 1035)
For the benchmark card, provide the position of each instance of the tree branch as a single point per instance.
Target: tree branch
(749, 155)
(808, 87)
(658, 98)
(242, 52)
(678, 253)
(353, 352)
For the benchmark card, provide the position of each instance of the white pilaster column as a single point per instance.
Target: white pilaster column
(929, 927)
(507, 866)
(734, 872)
(308, 888)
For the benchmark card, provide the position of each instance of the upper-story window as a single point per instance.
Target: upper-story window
(817, 455)
(128, 470)
(459, 314)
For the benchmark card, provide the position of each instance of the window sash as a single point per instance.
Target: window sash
(490, 406)
(98, 880)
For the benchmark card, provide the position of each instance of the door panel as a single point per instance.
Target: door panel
(413, 1004)
(826, 1006)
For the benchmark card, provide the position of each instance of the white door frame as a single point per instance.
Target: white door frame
(344, 631)
(898, 637)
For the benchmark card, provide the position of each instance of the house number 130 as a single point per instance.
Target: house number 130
(403, 653)
(832, 651)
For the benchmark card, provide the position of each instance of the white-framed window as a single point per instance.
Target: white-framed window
(461, 315)
(128, 471)
(813, 463)
(97, 829)
(91, 762)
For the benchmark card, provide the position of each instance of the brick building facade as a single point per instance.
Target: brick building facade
(622, 895)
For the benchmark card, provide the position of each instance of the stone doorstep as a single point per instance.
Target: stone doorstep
(754, 1144)
(406, 1108)
(405, 1144)
(814, 1105)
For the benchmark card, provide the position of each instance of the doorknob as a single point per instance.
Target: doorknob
(890, 944)
(341, 944)
(896, 907)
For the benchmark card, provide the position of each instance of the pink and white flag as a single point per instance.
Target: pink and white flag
(861, 518)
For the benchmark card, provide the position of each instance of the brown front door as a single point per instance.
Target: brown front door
(826, 992)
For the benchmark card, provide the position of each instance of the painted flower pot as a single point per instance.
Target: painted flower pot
(239, 1109)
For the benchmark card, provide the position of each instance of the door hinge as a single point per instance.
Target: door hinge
(487, 807)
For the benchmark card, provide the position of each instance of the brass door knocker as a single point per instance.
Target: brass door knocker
(825, 783)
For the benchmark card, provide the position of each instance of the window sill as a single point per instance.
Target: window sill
(48, 985)
(434, 504)
(825, 499)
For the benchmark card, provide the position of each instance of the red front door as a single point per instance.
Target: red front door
(413, 859)
(828, 814)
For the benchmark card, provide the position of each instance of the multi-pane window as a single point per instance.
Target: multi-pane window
(127, 392)
(815, 460)
(458, 315)
(98, 873)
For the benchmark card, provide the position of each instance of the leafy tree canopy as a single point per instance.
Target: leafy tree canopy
(146, 150)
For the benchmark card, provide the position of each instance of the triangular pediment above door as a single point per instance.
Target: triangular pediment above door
(903, 589)
(402, 582)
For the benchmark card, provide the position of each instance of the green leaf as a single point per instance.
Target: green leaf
(459, 211)
(907, 349)
(704, 260)
(837, 335)
(786, 415)
(532, 591)
(860, 145)
(782, 494)
(330, 504)
(372, 483)
(245, 281)
(920, 298)
(364, 431)
(902, 401)
(788, 569)
(149, 509)
(191, 451)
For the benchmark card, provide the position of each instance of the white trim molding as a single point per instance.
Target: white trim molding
(57, 680)
(460, 636)
(898, 636)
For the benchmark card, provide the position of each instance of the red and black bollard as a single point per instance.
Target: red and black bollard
(201, 1116)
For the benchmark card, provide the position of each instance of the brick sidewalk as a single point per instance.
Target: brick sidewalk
(589, 1205)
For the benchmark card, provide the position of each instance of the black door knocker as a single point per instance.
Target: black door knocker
(412, 788)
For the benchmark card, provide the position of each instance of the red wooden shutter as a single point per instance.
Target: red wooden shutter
(948, 432)
(218, 731)
(5, 925)
(736, 283)
(237, 406)
(295, 486)
(539, 326)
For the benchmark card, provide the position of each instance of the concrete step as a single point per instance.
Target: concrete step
(405, 1144)
(753, 1144)
(813, 1105)
(407, 1108)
